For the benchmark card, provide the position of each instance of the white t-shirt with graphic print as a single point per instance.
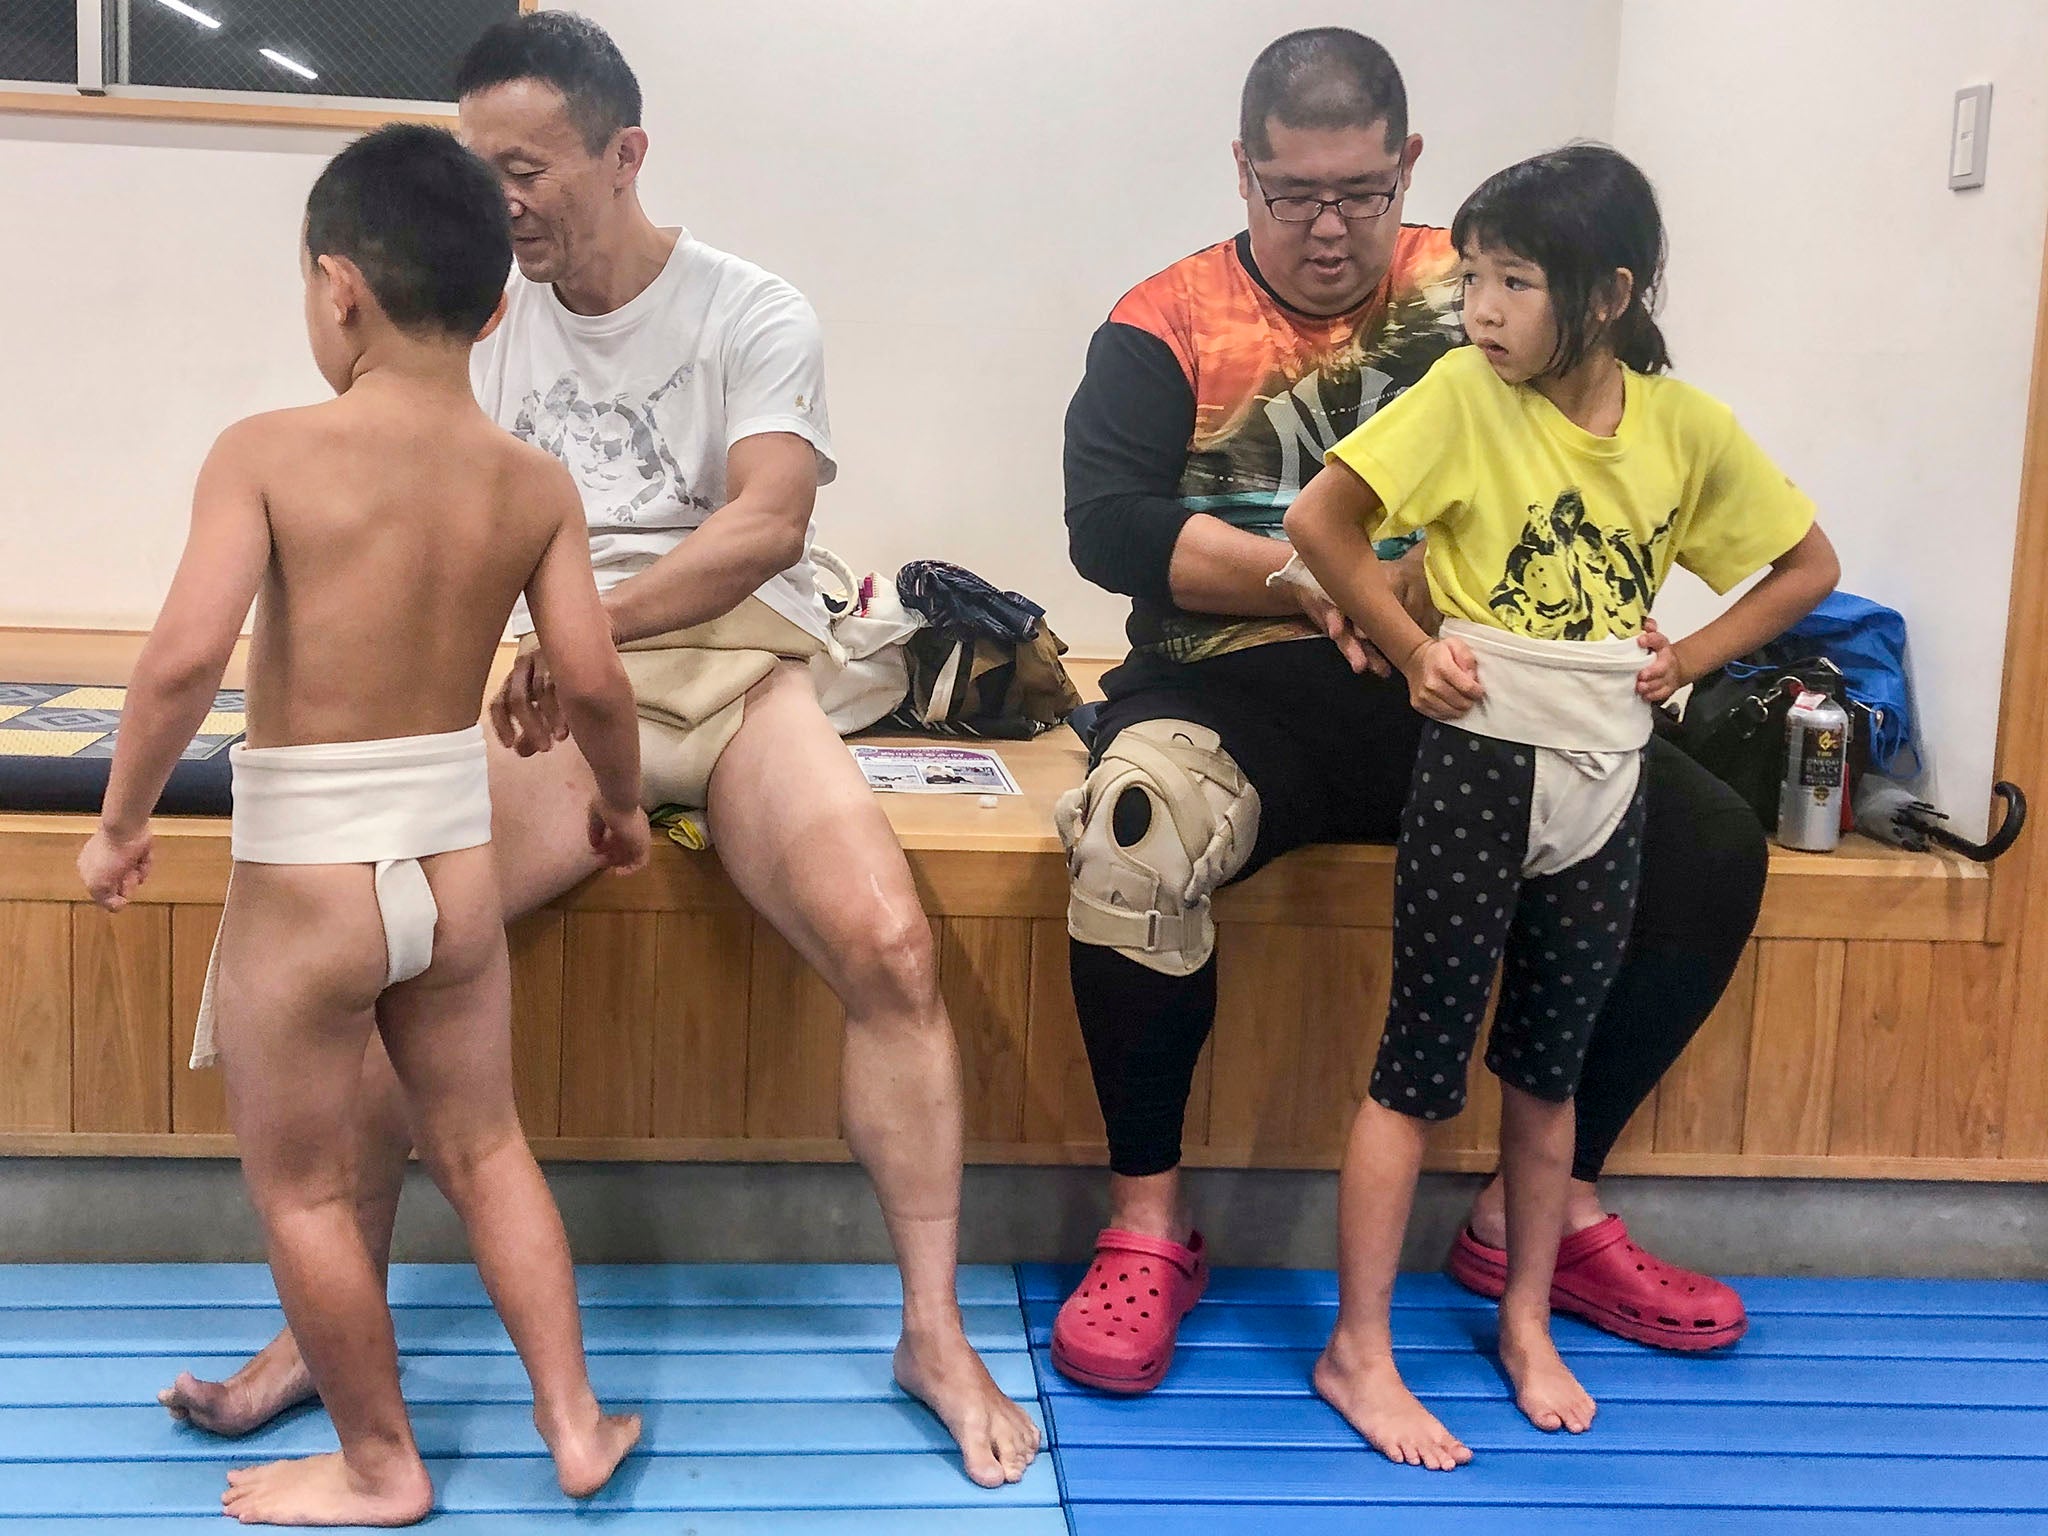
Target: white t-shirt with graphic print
(642, 403)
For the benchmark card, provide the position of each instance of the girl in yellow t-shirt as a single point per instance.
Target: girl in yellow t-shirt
(1557, 474)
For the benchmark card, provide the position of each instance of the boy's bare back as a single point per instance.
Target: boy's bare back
(403, 526)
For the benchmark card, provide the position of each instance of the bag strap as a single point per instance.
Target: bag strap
(824, 561)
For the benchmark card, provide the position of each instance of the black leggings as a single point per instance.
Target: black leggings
(1461, 901)
(1331, 755)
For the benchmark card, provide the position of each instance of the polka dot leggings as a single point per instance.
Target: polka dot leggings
(1460, 900)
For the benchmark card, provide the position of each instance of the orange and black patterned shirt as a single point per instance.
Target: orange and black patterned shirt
(1205, 393)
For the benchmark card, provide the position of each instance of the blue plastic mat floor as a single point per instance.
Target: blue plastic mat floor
(1852, 1406)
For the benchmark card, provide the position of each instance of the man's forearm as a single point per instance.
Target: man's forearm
(717, 566)
(1220, 569)
(1338, 551)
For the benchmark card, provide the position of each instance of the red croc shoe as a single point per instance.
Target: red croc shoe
(1610, 1282)
(1116, 1331)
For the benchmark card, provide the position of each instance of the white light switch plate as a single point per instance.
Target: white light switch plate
(1969, 136)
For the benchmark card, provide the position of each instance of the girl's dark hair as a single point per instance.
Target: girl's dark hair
(1579, 213)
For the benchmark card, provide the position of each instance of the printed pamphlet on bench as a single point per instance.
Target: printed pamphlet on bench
(935, 770)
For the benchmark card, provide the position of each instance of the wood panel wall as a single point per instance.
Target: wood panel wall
(698, 1034)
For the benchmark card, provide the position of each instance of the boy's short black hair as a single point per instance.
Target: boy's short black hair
(1322, 77)
(423, 219)
(1579, 213)
(569, 52)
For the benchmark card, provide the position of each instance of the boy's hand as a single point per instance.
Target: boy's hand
(113, 869)
(620, 838)
(526, 715)
(1667, 671)
(1443, 678)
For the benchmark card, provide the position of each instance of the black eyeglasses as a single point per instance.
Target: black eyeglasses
(1306, 210)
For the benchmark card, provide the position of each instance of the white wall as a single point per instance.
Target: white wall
(1873, 329)
(149, 295)
(963, 191)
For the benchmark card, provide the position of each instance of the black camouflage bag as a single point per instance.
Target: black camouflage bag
(985, 664)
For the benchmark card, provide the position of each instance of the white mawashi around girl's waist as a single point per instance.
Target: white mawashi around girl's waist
(361, 802)
(1573, 695)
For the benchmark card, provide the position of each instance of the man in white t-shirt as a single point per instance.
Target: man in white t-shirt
(684, 389)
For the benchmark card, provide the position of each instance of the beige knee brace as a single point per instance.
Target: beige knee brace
(1190, 828)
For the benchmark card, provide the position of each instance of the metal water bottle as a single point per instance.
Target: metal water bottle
(1816, 755)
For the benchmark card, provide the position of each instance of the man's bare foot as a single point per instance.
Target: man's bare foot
(275, 1379)
(941, 1370)
(1545, 1388)
(322, 1490)
(1364, 1386)
(587, 1446)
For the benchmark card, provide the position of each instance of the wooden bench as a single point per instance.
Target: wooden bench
(657, 1018)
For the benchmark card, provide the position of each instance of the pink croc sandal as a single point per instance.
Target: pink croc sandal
(1604, 1278)
(1116, 1331)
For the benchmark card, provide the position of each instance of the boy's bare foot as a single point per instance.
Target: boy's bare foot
(1545, 1388)
(1365, 1387)
(587, 1446)
(941, 1370)
(322, 1490)
(275, 1379)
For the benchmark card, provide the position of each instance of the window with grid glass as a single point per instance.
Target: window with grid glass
(338, 52)
(39, 40)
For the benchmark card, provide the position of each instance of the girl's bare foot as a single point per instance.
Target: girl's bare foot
(275, 1379)
(1364, 1386)
(324, 1490)
(588, 1445)
(1545, 1389)
(939, 1368)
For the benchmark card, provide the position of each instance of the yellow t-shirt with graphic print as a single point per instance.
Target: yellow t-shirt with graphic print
(1538, 527)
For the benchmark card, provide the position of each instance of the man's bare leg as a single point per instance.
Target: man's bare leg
(1583, 1208)
(537, 837)
(801, 835)
(1154, 1205)
(302, 964)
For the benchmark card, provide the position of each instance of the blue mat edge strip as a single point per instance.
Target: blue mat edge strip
(1039, 1371)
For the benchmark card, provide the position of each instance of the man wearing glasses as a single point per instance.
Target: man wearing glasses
(1249, 718)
